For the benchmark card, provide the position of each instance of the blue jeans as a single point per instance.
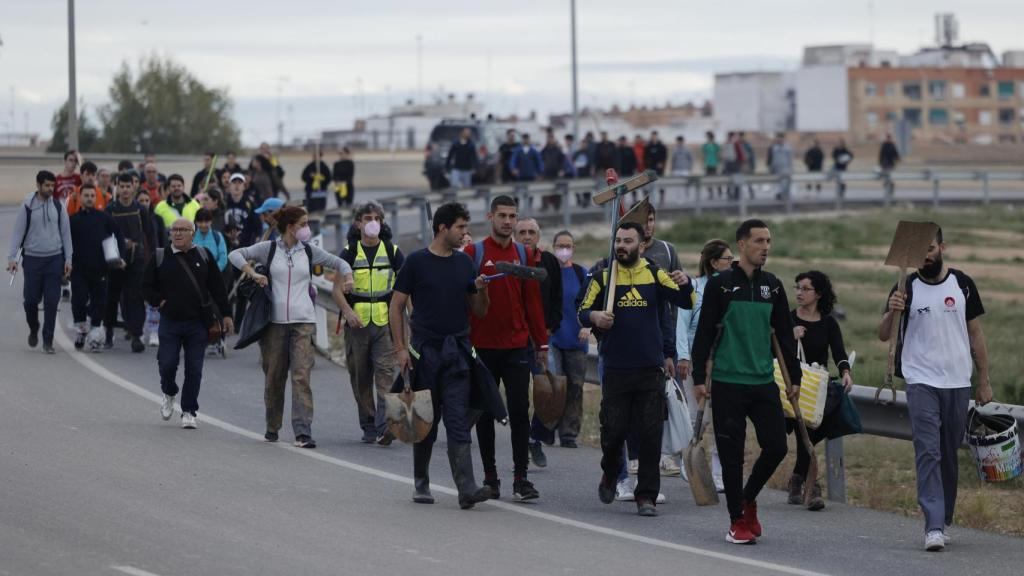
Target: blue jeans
(42, 283)
(175, 335)
(461, 178)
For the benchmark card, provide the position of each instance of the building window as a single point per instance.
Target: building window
(891, 90)
(1005, 90)
(872, 119)
(870, 89)
(891, 116)
(912, 116)
(957, 90)
(938, 116)
(984, 91)
(937, 89)
(985, 117)
(912, 90)
(1006, 116)
(959, 118)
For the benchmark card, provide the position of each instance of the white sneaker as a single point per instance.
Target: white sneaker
(624, 491)
(660, 499)
(668, 466)
(934, 541)
(167, 407)
(189, 421)
(633, 467)
(154, 340)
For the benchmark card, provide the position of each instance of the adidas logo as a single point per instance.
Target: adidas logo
(631, 299)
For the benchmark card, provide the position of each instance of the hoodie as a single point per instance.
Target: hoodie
(49, 231)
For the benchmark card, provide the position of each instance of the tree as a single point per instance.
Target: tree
(166, 109)
(88, 136)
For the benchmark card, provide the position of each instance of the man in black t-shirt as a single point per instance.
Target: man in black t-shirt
(444, 287)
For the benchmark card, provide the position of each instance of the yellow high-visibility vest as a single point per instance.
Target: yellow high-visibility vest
(372, 286)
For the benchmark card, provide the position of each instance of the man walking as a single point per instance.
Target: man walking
(710, 150)
(90, 227)
(939, 334)
(462, 160)
(375, 264)
(780, 163)
(186, 286)
(177, 204)
(814, 159)
(316, 176)
(526, 164)
(445, 289)
(655, 158)
(200, 177)
(43, 235)
(888, 158)
(636, 357)
(742, 307)
(682, 163)
(504, 338)
(135, 228)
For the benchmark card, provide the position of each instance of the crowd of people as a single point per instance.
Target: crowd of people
(444, 318)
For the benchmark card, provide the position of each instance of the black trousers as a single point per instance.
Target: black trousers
(633, 401)
(88, 295)
(125, 288)
(733, 404)
(510, 367)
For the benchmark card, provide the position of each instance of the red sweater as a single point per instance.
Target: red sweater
(515, 314)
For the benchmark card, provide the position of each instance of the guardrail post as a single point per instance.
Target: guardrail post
(786, 189)
(522, 195)
(935, 189)
(392, 208)
(985, 193)
(839, 191)
(698, 209)
(485, 193)
(887, 189)
(734, 188)
(836, 469)
(563, 189)
(424, 218)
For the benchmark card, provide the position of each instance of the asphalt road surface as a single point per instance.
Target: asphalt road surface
(92, 481)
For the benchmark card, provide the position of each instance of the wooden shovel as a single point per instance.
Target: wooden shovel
(909, 248)
(695, 458)
(812, 470)
(410, 415)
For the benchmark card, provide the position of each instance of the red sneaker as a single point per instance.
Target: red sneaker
(739, 533)
(750, 517)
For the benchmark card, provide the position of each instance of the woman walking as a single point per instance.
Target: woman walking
(287, 345)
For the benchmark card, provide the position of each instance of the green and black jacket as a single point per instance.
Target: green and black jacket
(748, 309)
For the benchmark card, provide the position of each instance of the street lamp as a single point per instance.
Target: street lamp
(575, 106)
(72, 92)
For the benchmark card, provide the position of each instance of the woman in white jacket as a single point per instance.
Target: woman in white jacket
(287, 345)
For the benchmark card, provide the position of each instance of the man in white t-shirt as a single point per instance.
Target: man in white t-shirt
(940, 333)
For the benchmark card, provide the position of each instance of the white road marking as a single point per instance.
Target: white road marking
(102, 372)
(132, 571)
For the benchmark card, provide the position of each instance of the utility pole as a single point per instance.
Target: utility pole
(419, 68)
(575, 84)
(72, 90)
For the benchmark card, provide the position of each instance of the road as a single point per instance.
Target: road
(94, 482)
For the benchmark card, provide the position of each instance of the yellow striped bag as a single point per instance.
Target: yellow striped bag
(813, 390)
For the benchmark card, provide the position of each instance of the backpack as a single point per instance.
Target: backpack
(478, 254)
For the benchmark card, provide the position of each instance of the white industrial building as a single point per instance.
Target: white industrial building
(755, 101)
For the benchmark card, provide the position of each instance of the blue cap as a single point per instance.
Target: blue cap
(270, 205)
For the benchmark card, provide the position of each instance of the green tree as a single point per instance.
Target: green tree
(165, 109)
(88, 135)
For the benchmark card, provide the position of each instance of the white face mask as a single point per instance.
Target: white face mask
(563, 254)
(372, 228)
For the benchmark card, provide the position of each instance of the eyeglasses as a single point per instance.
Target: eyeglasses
(181, 230)
(803, 289)
(726, 258)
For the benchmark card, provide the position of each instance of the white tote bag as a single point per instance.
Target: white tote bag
(678, 428)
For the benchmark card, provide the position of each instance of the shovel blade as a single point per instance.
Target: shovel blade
(410, 415)
(698, 471)
(910, 244)
(549, 398)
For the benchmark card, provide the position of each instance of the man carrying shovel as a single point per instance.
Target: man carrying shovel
(749, 304)
(636, 358)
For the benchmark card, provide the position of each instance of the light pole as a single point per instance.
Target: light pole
(72, 91)
(575, 100)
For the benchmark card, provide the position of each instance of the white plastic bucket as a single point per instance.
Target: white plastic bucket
(995, 444)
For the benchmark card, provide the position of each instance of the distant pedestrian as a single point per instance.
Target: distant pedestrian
(287, 344)
(626, 158)
(186, 286)
(152, 184)
(344, 178)
(749, 160)
(888, 158)
(606, 156)
(231, 165)
(505, 156)
(201, 175)
(732, 162)
(42, 233)
(655, 158)
(316, 176)
(462, 160)
(710, 150)
(526, 164)
(90, 228)
(69, 179)
(682, 164)
(814, 159)
(780, 163)
(841, 159)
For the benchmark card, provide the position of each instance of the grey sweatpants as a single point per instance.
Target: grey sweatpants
(938, 420)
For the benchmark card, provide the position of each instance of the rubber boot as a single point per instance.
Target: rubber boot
(421, 452)
(462, 472)
(796, 489)
(816, 503)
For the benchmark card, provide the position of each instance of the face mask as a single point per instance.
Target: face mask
(563, 254)
(372, 228)
(303, 234)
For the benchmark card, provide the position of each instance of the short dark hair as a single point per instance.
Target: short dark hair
(632, 226)
(88, 167)
(209, 153)
(45, 176)
(743, 232)
(446, 215)
(561, 233)
(368, 208)
(175, 177)
(124, 177)
(69, 153)
(124, 165)
(823, 286)
(503, 200)
(203, 215)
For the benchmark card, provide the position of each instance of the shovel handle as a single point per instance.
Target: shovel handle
(812, 471)
(897, 319)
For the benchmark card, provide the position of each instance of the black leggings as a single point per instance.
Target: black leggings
(733, 404)
(510, 367)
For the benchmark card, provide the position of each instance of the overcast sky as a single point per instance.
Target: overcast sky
(321, 55)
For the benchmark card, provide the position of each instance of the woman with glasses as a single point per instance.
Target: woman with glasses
(287, 344)
(714, 257)
(818, 332)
